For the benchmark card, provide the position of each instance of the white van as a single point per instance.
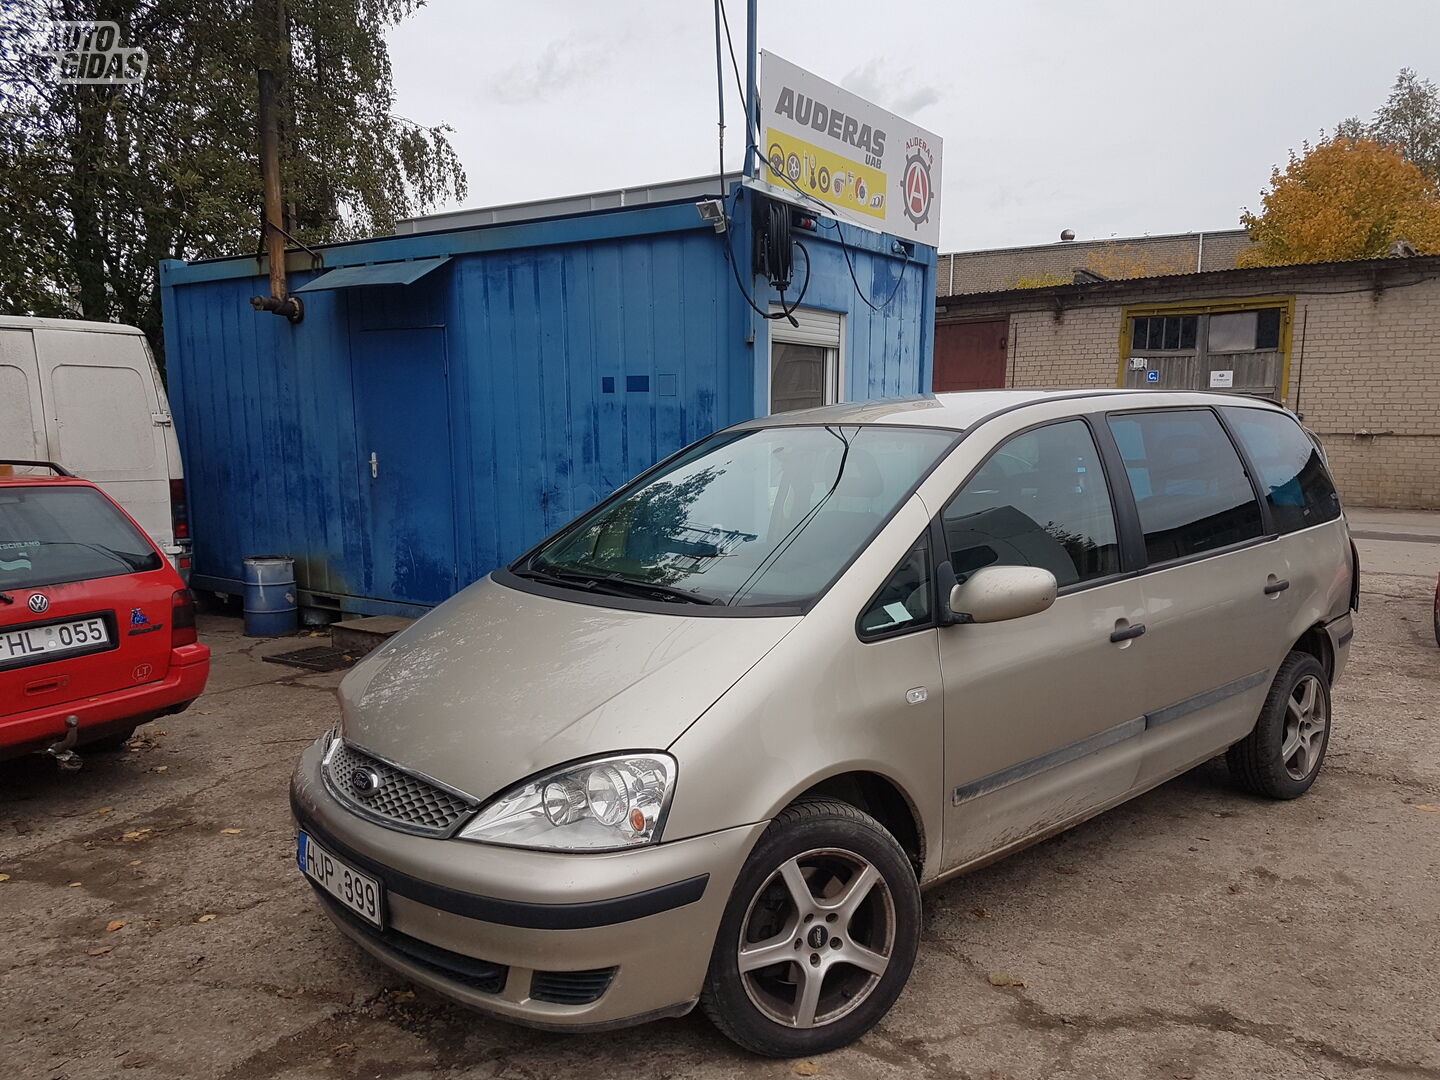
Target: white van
(88, 396)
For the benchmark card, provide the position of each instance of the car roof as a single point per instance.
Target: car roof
(965, 409)
(35, 322)
(37, 480)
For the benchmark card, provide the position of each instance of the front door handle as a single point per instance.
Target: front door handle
(1273, 587)
(1134, 630)
(374, 466)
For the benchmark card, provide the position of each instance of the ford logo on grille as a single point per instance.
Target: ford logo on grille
(366, 782)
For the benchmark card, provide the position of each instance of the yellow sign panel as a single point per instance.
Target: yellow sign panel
(841, 182)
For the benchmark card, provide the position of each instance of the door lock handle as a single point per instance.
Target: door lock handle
(374, 466)
(1134, 630)
(1273, 587)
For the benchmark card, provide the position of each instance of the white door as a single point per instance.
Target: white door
(105, 420)
(22, 421)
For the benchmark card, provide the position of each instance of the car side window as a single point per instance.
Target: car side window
(904, 601)
(1039, 500)
(1292, 474)
(1190, 487)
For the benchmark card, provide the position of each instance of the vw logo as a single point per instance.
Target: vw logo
(366, 782)
(39, 603)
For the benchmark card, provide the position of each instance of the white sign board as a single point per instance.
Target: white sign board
(1222, 379)
(870, 166)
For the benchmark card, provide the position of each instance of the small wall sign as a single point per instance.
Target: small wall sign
(1222, 379)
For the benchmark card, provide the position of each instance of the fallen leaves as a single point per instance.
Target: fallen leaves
(74, 884)
(231, 832)
(401, 995)
(159, 768)
(1428, 808)
(980, 913)
(207, 918)
(134, 862)
(1003, 978)
(104, 810)
(113, 925)
(4, 877)
(136, 834)
(101, 950)
(806, 1068)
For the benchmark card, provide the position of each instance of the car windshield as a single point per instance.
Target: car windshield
(51, 535)
(752, 518)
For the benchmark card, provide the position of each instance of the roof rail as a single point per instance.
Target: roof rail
(58, 469)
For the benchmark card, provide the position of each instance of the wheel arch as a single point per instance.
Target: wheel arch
(1316, 642)
(884, 800)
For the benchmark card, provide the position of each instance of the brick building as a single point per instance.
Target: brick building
(1003, 268)
(1353, 347)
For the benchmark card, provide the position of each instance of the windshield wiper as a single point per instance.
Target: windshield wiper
(615, 585)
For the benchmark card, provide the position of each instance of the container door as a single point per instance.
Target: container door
(402, 413)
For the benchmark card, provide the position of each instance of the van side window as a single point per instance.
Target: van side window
(1292, 474)
(1039, 500)
(903, 602)
(1190, 488)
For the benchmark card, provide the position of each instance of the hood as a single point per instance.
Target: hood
(496, 684)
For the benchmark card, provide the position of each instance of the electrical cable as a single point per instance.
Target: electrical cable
(845, 249)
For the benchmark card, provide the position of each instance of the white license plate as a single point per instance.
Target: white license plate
(358, 892)
(56, 639)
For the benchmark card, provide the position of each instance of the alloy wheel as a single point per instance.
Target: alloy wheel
(1304, 731)
(817, 938)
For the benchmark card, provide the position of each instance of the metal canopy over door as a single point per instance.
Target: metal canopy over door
(402, 418)
(971, 355)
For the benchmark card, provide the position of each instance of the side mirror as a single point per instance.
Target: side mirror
(997, 593)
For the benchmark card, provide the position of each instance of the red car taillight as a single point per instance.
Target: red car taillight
(182, 618)
(179, 510)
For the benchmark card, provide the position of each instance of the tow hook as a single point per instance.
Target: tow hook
(64, 751)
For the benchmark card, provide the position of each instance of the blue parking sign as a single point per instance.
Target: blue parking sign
(1152, 376)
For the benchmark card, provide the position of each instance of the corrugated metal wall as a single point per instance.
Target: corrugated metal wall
(527, 381)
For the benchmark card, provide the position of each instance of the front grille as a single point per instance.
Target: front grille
(401, 800)
(482, 975)
(571, 987)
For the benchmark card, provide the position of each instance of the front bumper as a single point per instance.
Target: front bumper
(500, 929)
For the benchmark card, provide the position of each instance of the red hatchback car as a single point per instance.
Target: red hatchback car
(97, 631)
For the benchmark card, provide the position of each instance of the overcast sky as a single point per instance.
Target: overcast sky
(1109, 117)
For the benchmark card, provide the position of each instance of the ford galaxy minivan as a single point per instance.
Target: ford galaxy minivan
(707, 743)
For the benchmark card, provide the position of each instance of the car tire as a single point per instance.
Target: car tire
(1282, 755)
(108, 744)
(1437, 612)
(861, 903)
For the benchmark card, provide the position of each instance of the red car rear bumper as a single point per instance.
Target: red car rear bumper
(183, 683)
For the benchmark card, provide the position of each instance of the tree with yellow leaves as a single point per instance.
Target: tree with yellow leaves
(1347, 198)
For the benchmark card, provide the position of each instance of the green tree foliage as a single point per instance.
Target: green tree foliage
(100, 183)
(1409, 119)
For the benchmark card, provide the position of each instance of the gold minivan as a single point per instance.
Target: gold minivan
(707, 743)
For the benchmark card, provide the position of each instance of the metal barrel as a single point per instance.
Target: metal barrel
(269, 596)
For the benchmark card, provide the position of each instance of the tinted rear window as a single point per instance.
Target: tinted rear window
(1190, 488)
(1292, 474)
(51, 535)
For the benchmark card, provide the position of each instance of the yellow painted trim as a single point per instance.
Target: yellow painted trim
(1210, 307)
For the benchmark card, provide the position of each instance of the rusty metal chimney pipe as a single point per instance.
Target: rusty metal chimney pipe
(275, 36)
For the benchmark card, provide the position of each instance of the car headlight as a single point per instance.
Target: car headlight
(618, 801)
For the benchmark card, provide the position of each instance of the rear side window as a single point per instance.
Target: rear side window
(1039, 500)
(1190, 487)
(1291, 472)
(51, 535)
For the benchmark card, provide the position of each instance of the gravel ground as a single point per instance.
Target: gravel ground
(153, 921)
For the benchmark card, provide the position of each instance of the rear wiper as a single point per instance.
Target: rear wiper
(617, 585)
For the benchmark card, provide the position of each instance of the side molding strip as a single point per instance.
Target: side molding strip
(1103, 740)
(1204, 700)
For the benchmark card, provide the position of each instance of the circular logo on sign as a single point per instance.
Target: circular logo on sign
(918, 192)
(39, 603)
(366, 782)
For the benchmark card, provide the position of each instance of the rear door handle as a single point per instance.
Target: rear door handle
(1274, 587)
(1134, 630)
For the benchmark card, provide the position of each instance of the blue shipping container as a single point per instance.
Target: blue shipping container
(405, 439)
